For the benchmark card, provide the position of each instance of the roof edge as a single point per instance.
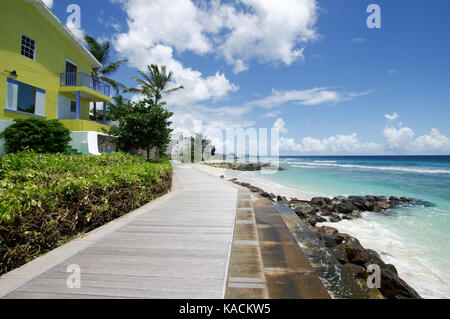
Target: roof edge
(53, 19)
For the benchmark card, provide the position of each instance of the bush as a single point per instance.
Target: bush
(42, 136)
(48, 199)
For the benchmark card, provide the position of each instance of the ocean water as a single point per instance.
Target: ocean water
(415, 239)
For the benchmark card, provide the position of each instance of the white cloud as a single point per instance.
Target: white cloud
(48, 3)
(269, 31)
(77, 32)
(402, 140)
(279, 124)
(313, 96)
(398, 138)
(156, 29)
(289, 145)
(339, 144)
(392, 117)
(270, 114)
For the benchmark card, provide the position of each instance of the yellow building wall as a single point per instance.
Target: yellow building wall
(18, 18)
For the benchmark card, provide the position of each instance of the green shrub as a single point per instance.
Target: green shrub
(40, 135)
(48, 199)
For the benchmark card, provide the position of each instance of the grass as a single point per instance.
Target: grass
(48, 199)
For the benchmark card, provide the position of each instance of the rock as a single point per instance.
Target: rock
(327, 230)
(393, 198)
(272, 196)
(369, 205)
(357, 254)
(264, 194)
(222, 176)
(354, 214)
(303, 208)
(325, 213)
(356, 270)
(334, 218)
(320, 201)
(328, 240)
(393, 287)
(383, 205)
(340, 255)
(344, 207)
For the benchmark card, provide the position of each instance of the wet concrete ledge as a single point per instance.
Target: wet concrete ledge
(266, 260)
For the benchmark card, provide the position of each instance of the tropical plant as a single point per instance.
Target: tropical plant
(155, 82)
(48, 199)
(40, 135)
(102, 52)
(144, 124)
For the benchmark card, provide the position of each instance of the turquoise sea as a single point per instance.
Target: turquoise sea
(415, 239)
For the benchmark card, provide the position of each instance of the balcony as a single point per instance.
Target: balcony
(82, 80)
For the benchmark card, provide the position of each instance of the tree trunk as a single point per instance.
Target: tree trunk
(148, 152)
(95, 110)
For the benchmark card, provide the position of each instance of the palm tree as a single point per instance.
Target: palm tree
(154, 82)
(102, 52)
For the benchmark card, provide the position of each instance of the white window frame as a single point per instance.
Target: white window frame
(35, 47)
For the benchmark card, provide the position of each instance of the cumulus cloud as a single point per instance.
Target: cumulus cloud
(158, 28)
(48, 3)
(339, 144)
(313, 96)
(392, 117)
(279, 124)
(402, 140)
(266, 30)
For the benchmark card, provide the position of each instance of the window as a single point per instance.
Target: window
(24, 98)
(73, 106)
(28, 47)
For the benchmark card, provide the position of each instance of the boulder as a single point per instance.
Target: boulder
(264, 194)
(356, 270)
(320, 201)
(344, 207)
(327, 230)
(383, 205)
(393, 287)
(303, 208)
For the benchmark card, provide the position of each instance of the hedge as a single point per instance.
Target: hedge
(40, 135)
(48, 199)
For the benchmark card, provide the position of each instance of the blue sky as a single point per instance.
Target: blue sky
(313, 67)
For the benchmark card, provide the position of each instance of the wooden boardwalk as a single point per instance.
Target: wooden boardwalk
(178, 249)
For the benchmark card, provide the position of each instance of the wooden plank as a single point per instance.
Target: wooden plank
(179, 249)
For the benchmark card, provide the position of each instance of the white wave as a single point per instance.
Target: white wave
(325, 161)
(411, 259)
(381, 168)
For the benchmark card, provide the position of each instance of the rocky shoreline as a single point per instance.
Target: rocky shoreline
(248, 167)
(352, 257)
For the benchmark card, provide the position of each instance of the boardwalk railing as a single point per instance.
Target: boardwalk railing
(85, 80)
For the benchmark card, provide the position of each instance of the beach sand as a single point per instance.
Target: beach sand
(253, 179)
